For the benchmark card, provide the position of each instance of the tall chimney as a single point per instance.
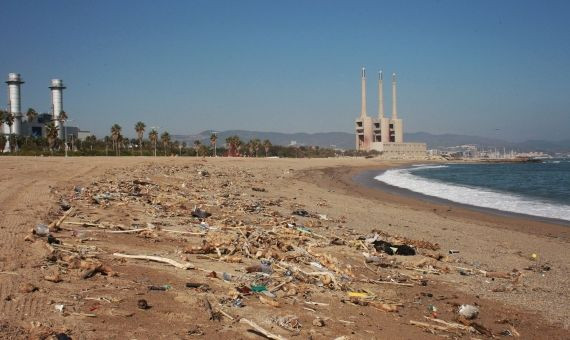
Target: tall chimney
(380, 96)
(57, 88)
(394, 105)
(14, 81)
(363, 104)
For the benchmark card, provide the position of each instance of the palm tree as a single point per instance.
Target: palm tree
(107, 139)
(256, 145)
(52, 132)
(2, 142)
(153, 136)
(115, 133)
(9, 120)
(238, 145)
(31, 115)
(213, 140)
(266, 145)
(197, 144)
(139, 128)
(165, 139)
(250, 147)
(2, 115)
(91, 140)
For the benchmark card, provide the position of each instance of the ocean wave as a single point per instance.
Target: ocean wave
(480, 197)
(427, 166)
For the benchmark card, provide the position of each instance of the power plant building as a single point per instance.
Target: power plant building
(384, 134)
(35, 128)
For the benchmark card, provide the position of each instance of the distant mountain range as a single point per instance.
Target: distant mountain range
(345, 140)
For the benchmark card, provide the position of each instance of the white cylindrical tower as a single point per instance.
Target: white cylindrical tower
(394, 99)
(14, 103)
(57, 103)
(363, 95)
(380, 96)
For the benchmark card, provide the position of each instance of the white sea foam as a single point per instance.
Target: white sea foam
(481, 197)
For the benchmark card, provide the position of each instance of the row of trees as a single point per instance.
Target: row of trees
(115, 143)
(15, 142)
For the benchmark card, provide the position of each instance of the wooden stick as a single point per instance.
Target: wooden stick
(226, 314)
(246, 243)
(452, 324)
(289, 279)
(393, 283)
(261, 330)
(182, 232)
(316, 303)
(127, 231)
(433, 327)
(186, 265)
(55, 224)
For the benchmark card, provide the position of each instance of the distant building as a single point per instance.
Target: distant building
(36, 128)
(384, 134)
(82, 135)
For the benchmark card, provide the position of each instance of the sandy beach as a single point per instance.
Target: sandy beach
(251, 202)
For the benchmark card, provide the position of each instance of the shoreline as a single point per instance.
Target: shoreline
(358, 181)
(367, 178)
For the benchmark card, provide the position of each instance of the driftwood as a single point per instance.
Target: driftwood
(452, 325)
(176, 264)
(55, 224)
(261, 330)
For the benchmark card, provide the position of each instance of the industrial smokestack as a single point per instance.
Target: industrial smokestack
(14, 103)
(394, 105)
(380, 96)
(57, 88)
(363, 104)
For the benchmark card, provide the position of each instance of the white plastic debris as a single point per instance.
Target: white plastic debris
(59, 308)
(468, 311)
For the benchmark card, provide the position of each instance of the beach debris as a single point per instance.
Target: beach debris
(59, 307)
(41, 230)
(392, 249)
(142, 304)
(199, 213)
(176, 264)
(318, 322)
(212, 315)
(53, 277)
(288, 322)
(62, 336)
(195, 330)
(251, 254)
(469, 312)
(301, 212)
(498, 275)
(261, 330)
(64, 205)
(453, 251)
(27, 287)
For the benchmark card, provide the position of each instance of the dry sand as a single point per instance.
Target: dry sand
(535, 303)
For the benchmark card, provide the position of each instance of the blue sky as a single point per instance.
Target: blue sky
(489, 68)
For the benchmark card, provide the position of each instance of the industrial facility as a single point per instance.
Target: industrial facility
(384, 134)
(36, 127)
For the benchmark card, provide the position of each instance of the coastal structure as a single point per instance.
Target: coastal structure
(36, 126)
(14, 103)
(384, 134)
(57, 88)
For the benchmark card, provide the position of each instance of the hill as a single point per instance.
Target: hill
(345, 140)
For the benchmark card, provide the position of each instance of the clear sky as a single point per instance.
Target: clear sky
(489, 68)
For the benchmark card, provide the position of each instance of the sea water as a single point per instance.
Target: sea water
(539, 189)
